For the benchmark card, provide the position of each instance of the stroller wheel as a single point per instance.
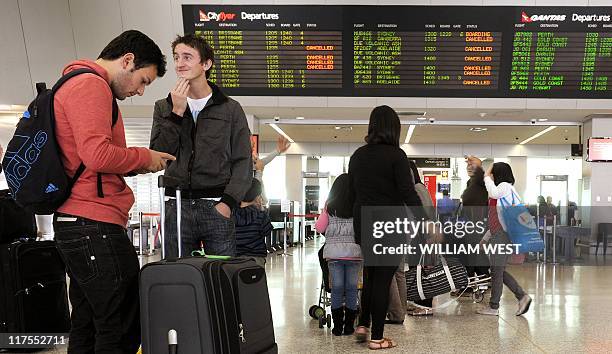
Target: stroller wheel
(321, 321)
(329, 321)
(318, 312)
(311, 311)
(478, 296)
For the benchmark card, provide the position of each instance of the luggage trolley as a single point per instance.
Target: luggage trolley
(479, 285)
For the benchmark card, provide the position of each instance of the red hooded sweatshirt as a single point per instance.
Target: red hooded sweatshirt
(83, 119)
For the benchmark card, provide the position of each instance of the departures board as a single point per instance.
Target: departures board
(407, 51)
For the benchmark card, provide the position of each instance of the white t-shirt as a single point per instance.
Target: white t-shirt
(197, 105)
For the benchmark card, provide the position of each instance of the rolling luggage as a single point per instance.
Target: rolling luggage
(15, 222)
(33, 296)
(204, 305)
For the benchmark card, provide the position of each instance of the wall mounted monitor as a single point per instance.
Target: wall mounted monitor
(599, 150)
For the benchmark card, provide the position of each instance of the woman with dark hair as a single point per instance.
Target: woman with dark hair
(499, 181)
(342, 254)
(380, 176)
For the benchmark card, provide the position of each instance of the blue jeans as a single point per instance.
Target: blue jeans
(344, 278)
(103, 269)
(200, 221)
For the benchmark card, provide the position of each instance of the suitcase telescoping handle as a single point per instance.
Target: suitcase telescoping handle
(164, 182)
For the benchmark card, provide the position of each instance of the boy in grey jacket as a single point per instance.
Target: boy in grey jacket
(208, 133)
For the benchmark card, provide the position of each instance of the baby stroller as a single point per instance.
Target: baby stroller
(319, 312)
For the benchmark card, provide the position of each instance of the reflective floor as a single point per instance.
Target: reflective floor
(571, 313)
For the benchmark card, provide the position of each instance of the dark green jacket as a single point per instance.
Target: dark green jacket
(213, 157)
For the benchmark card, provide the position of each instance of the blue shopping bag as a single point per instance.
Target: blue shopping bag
(521, 226)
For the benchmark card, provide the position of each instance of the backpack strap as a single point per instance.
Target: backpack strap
(62, 80)
(115, 117)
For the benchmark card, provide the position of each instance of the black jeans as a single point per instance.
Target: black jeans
(200, 221)
(375, 298)
(103, 269)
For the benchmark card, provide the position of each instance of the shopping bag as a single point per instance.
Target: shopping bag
(521, 226)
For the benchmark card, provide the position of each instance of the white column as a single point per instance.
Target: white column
(253, 123)
(294, 183)
(519, 169)
(597, 176)
(312, 165)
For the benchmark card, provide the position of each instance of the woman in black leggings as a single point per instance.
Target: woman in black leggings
(380, 176)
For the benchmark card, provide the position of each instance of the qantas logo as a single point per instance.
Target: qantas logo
(214, 16)
(545, 18)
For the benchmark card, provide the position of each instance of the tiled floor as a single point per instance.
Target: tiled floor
(571, 313)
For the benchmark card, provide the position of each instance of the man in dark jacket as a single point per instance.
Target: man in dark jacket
(209, 135)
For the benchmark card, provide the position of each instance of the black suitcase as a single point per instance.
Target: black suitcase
(204, 305)
(15, 222)
(33, 296)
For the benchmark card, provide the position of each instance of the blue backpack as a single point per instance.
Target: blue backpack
(32, 163)
(521, 226)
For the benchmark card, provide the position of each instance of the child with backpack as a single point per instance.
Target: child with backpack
(342, 254)
(252, 225)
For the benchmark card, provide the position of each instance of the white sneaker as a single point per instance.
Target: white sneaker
(487, 311)
(523, 305)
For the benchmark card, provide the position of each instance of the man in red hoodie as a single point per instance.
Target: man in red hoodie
(90, 227)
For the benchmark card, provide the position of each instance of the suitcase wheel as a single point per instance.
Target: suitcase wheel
(322, 321)
(329, 321)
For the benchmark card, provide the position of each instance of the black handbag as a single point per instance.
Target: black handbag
(425, 283)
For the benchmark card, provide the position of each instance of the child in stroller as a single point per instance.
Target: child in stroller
(319, 311)
(342, 254)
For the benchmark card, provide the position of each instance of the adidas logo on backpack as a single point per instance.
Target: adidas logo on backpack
(51, 188)
(32, 162)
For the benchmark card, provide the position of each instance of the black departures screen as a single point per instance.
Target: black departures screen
(441, 51)
(272, 50)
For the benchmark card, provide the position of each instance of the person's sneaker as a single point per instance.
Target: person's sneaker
(523, 305)
(487, 311)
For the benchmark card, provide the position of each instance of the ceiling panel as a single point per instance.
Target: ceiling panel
(426, 134)
(479, 115)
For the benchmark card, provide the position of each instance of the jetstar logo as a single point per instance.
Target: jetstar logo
(214, 16)
(544, 18)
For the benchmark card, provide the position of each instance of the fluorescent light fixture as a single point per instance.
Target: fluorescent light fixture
(478, 129)
(542, 119)
(411, 113)
(5, 107)
(537, 135)
(337, 128)
(409, 135)
(421, 118)
(281, 132)
(299, 118)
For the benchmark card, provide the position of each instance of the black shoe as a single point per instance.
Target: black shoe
(338, 318)
(349, 321)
